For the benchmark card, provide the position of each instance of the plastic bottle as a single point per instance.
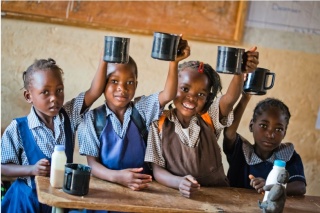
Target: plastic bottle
(278, 165)
(58, 161)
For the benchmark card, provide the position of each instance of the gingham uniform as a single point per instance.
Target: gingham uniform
(11, 143)
(89, 144)
(154, 149)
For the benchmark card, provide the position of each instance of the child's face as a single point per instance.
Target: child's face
(46, 93)
(121, 86)
(192, 93)
(268, 131)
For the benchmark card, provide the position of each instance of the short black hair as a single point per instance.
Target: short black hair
(271, 103)
(41, 64)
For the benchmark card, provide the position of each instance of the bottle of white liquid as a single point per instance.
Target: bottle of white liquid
(278, 165)
(58, 161)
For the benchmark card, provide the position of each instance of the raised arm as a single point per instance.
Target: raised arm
(170, 89)
(97, 85)
(228, 100)
(230, 132)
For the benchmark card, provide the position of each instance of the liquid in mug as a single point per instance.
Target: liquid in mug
(58, 161)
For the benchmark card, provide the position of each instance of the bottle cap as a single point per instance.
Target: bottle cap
(59, 148)
(279, 163)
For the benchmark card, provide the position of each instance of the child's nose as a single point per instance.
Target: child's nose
(270, 134)
(122, 87)
(193, 97)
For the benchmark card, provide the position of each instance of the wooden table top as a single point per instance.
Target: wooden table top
(104, 195)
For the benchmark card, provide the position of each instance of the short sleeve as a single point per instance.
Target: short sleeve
(154, 149)
(89, 143)
(214, 112)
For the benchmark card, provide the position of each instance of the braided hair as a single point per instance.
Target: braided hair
(271, 103)
(215, 85)
(41, 64)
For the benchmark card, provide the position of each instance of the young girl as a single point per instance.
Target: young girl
(116, 154)
(182, 145)
(28, 143)
(268, 125)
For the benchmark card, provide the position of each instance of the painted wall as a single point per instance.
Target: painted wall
(293, 57)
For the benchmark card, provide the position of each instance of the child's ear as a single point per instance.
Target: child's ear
(27, 96)
(250, 125)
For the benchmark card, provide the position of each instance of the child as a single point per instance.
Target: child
(116, 151)
(182, 145)
(268, 125)
(28, 143)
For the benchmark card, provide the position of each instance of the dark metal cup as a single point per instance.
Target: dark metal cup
(230, 60)
(256, 82)
(76, 179)
(116, 49)
(165, 46)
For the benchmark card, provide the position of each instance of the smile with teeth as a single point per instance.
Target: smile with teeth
(189, 106)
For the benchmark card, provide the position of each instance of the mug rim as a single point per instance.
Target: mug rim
(164, 33)
(225, 48)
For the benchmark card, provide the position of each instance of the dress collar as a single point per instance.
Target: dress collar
(283, 152)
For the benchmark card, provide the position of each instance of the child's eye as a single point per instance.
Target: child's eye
(263, 126)
(130, 82)
(46, 92)
(184, 89)
(114, 81)
(60, 91)
(279, 130)
(202, 95)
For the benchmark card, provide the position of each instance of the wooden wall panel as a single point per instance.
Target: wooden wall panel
(215, 21)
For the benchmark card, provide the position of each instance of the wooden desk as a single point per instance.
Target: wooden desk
(158, 198)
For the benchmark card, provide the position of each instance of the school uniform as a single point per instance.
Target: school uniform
(194, 151)
(243, 161)
(119, 146)
(41, 140)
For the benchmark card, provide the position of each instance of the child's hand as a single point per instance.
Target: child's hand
(133, 179)
(188, 186)
(41, 168)
(252, 60)
(257, 183)
(183, 50)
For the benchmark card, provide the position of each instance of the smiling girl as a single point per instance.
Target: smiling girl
(182, 145)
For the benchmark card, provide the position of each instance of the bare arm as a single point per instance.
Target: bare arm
(166, 178)
(41, 168)
(131, 178)
(231, 131)
(170, 89)
(97, 85)
(228, 100)
(296, 188)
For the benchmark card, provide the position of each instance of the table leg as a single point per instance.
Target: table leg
(56, 210)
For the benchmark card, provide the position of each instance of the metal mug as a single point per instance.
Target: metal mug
(116, 49)
(76, 179)
(256, 82)
(230, 60)
(165, 46)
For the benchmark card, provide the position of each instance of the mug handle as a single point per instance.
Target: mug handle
(272, 81)
(67, 183)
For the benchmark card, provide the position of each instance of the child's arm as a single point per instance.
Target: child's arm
(228, 100)
(296, 188)
(131, 178)
(187, 185)
(42, 168)
(97, 85)
(170, 89)
(230, 132)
